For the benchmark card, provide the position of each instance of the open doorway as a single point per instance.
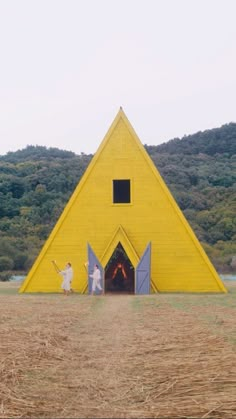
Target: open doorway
(119, 273)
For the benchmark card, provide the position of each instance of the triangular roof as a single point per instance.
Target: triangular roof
(120, 237)
(122, 145)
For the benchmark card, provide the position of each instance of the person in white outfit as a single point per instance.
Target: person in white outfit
(67, 275)
(96, 275)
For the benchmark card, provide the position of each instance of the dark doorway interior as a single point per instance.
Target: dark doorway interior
(119, 273)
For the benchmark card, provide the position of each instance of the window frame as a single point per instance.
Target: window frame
(130, 192)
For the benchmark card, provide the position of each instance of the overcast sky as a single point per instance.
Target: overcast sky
(66, 66)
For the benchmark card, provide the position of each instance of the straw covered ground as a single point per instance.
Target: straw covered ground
(157, 356)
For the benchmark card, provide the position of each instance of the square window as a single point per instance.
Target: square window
(121, 191)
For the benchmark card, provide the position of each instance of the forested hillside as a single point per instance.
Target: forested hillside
(200, 170)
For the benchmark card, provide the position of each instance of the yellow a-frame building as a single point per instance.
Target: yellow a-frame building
(123, 217)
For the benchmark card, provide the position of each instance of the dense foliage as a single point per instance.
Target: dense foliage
(200, 170)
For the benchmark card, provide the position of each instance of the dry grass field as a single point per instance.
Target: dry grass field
(157, 356)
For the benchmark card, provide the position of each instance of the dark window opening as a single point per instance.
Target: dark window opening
(121, 191)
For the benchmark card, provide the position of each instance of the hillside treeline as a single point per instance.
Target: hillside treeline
(200, 170)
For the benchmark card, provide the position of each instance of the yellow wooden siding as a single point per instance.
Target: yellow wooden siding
(178, 260)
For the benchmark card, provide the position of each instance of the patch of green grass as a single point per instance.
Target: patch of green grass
(187, 302)
(97, 302)
(137, 303)
(42, 294)
(8, 291)
(216, 325)
(181, 305)
(232, 339)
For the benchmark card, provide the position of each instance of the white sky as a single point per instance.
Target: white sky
(66, 66)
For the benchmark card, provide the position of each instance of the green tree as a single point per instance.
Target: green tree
(6, 263)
